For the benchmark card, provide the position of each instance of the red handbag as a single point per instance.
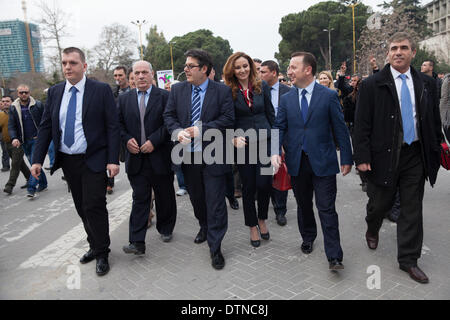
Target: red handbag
(282, 180)
(445, 156)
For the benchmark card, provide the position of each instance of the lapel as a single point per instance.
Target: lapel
(152, 100)
(133, 103)
(418, 91)
(210, 91)
(59, 92)
(388, 80)
(88, 91)
(314, 99)
(296, 105)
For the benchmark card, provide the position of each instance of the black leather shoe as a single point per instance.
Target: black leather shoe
(24, 186)
(201, 236)
(166, 237)
(217, 260)
(307, 247)
(415, 273)
(281, 220)
(372, 240)
(102, 266)
(87, 257)
(137, 249)
(335, 264)
(234, 204)
(265, 236)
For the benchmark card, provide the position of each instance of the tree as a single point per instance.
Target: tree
(398, 15)
(53, 25)
(158, 49)
(114, 47)
(304, 31)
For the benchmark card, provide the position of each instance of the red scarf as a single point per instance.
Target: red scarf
(248, 94)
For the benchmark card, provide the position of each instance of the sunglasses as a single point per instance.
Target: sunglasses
(24, 92)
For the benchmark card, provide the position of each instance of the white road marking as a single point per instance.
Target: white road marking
(63, 250)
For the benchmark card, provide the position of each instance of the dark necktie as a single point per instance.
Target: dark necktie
(304, 107)
(195, 110)
(69, 130)
(407, 112)
(142, 113)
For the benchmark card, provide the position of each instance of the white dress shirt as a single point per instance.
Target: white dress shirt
(308, 95)
(79, 146)
(398, 87)
(275, 95)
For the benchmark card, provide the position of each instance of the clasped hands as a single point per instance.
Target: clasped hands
(185, 136)
(134, 148)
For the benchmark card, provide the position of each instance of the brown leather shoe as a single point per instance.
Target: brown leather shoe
(372, 241)
(415, 273)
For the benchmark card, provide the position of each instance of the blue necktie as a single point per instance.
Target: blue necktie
(69, 131)
(304, 107)
(407, 112)
(195, 110)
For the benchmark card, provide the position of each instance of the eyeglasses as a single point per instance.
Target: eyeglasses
(190, 66)
(24, 92)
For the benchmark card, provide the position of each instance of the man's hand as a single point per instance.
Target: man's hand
(276, 163)
(184, 137)
(35, 170)
(239, 142)
(345, 169)
(363, 167)
(113, 169)
(147, 147)
(133, 146)
(373, 63)
(193, 131)
(15, 143)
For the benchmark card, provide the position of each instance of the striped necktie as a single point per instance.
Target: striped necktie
(196, 107)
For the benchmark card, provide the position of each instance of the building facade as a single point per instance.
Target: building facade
(14, 52)
(438, 19)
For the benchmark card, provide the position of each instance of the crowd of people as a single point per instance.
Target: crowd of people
(388, 125)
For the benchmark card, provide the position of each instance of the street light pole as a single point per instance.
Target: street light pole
(329, 47)
(171, 56)
(353, 5)
(140, 24)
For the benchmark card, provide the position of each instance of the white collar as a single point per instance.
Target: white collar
(396, 74)
(79, 85)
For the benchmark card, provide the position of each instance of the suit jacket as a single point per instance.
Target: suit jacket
(155, 131)
(378, 132)
(100, 126)
(260, 116)
(217, 113)
(283, 89)
(324, 117)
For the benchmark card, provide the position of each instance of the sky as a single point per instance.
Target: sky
(249, 25)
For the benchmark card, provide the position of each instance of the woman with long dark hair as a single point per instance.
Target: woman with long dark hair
(253, 110)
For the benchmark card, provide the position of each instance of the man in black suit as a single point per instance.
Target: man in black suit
(147, 161)
(81, 117)
(396, 143)
(195, 106)
(269, 73)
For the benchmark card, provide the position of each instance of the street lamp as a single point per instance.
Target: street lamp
(329, 46)
(140, 24)
(171, 55)
(353, 5)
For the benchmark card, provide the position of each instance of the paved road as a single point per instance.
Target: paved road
(41, 241)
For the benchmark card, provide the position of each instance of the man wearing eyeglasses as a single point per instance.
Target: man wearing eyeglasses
(199, 100)
(24, 119)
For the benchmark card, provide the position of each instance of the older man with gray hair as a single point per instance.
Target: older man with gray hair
(147, 162)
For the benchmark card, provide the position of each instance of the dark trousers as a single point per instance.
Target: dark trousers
(410, 180)
(279, 200)
(324, 189)
(166, 206)
(229, 193)
(5, 156)
(88, 191)
(254, 184)
(207, 195)
(17, 165)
